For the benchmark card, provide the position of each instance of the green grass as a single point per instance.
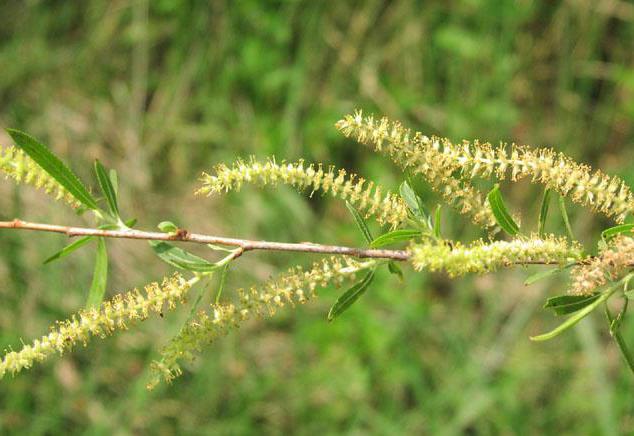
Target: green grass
(164, 91)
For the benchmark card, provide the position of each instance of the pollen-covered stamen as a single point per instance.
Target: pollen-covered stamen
(387, 208)
(106, 319)
(480, 257)
(15, 164)
(438, 158)
(297, 286)
(422, 155)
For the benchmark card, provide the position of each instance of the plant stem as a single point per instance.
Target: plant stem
(182, 235)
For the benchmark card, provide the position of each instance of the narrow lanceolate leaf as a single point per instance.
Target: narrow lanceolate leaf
(182, 259)
(545, 274)
(70, 248)
(566, 304)
(394, 237)
(395, 269)
(360, 222)
(534, 278)
(53, 166)
(100, 275)
(107, 188)
(610, 233)
(501, 213)
(437, 222)
(350, 296)
(543, 212)
(414, 202)
(574, 319)
(114, 179)
(564, 216)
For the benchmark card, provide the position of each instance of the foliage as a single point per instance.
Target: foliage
(162, 90)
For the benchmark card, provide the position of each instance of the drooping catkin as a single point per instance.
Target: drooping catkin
(110, 316)
(612, 262)
(602, 193)
(416, 152)
(481, 257)
(297, 286)
(14, 163)
(369, 197)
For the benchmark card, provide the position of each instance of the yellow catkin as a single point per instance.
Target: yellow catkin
(594, 189)
(413, 151)
(480, 257)
(371, 199)
(609, 265)
(297, 286)
(104, 320)
(15, 164)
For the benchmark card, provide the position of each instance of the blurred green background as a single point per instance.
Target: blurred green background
(166, 89)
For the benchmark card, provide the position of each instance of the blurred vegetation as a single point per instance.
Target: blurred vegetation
(163, 90)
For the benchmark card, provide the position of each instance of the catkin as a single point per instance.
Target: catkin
(369, 197)
(297, 286)
(110, 316)
(480, 257)
(15, 164)
(427, 156)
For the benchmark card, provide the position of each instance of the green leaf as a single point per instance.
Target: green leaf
(543, 212)
(108, 190)
(574, 319)
(615, 325)
(130, 223)
(395, 269)
(99, 277)
(350, 296)
(360, 223)
(167, 227)
(566, 304)
(610, 233)
(414, 202)
(564, 215)
(394, 237)
(54, 167)
(545, 274)
(534, 278)
(437, 222)
(221, 286)
(114, 180)
(69, 248)
(501, 213)
(180, 258)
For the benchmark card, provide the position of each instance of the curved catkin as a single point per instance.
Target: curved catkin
(297, 286)
(370, 198)
(110, 316)
(480, 257)
(609, 265)
(594, 189)
(15, 164)
(415, 152)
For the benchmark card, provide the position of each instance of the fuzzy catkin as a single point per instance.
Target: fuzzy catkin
(480, 257)
(602, 193)
(297, 286)
(104, 320)
(370, 198)
(612, 262)
(14, 163)
(414, 151)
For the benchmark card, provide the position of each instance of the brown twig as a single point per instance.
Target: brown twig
(184, 236)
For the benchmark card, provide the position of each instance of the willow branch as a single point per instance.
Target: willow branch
(183, 235)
